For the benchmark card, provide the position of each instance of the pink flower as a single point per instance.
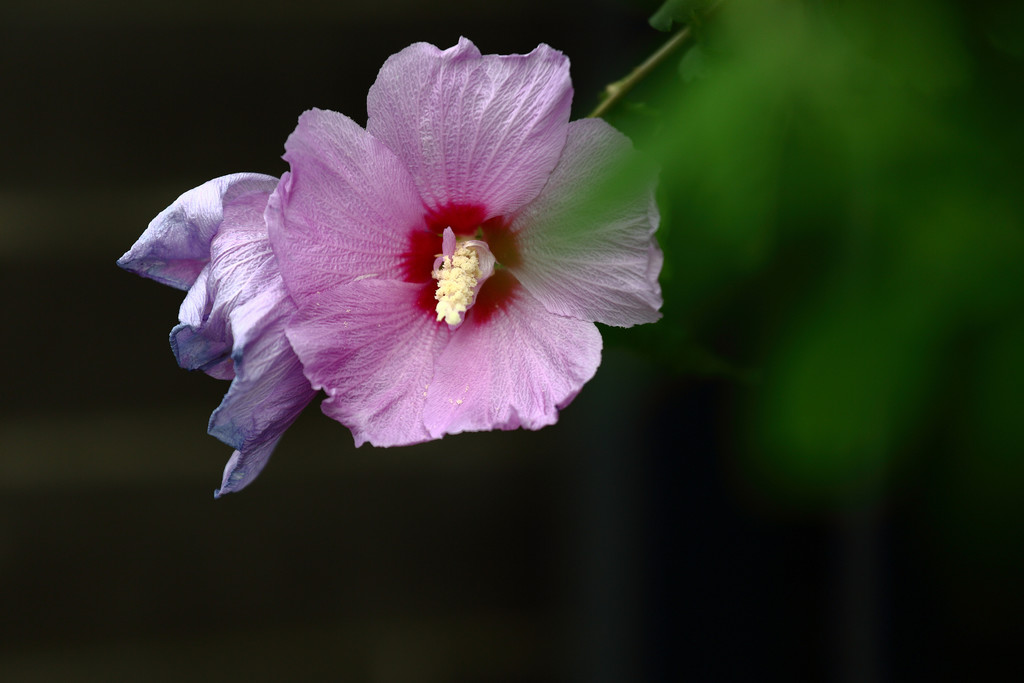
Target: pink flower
(212, 241)
(448, 263)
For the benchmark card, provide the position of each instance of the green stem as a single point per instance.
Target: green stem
(617, 90)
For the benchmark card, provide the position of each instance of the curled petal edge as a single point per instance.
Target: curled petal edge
(175, 246)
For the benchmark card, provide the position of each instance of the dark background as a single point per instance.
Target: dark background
(638, 539)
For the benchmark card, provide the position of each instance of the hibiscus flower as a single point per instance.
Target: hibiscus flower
(439, 271)
(449, 261)
(212, 241)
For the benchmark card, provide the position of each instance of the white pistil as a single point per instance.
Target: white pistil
(456, 281)
(460, 271)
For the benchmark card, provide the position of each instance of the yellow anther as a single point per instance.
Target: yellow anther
(456, 281)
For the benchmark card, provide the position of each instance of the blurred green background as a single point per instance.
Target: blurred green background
(808, 470)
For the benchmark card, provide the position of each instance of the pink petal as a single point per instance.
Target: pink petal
(514, 366)
(344, 211)
(473, 130)
(176, 245)
(586, 244)
(371, 345)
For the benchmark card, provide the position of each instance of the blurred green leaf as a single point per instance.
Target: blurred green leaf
(1004, 25)
(677, 11)
(693, 66)
(840, 205)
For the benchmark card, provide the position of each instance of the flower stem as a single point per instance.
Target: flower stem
(616, 91)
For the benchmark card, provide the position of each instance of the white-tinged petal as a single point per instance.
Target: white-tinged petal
(586, 245)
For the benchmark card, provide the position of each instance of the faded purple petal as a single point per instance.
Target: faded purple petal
(176, 245)
(474, 130)
(344, 211)
(516, 368)
(233, 316)
(371, 346)
(269, 390)
(586, 244)
(197, 346)
(242, 468)
(241, 267)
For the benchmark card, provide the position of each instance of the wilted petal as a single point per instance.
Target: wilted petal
(346, 208)
(242, 266)
(514, 366)
(176, 245)
(586, 244)
(242, 468)
(269, 387)
(474, 130)
(233, 316)
(197, 346)
(371, 346)
(269, 390)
